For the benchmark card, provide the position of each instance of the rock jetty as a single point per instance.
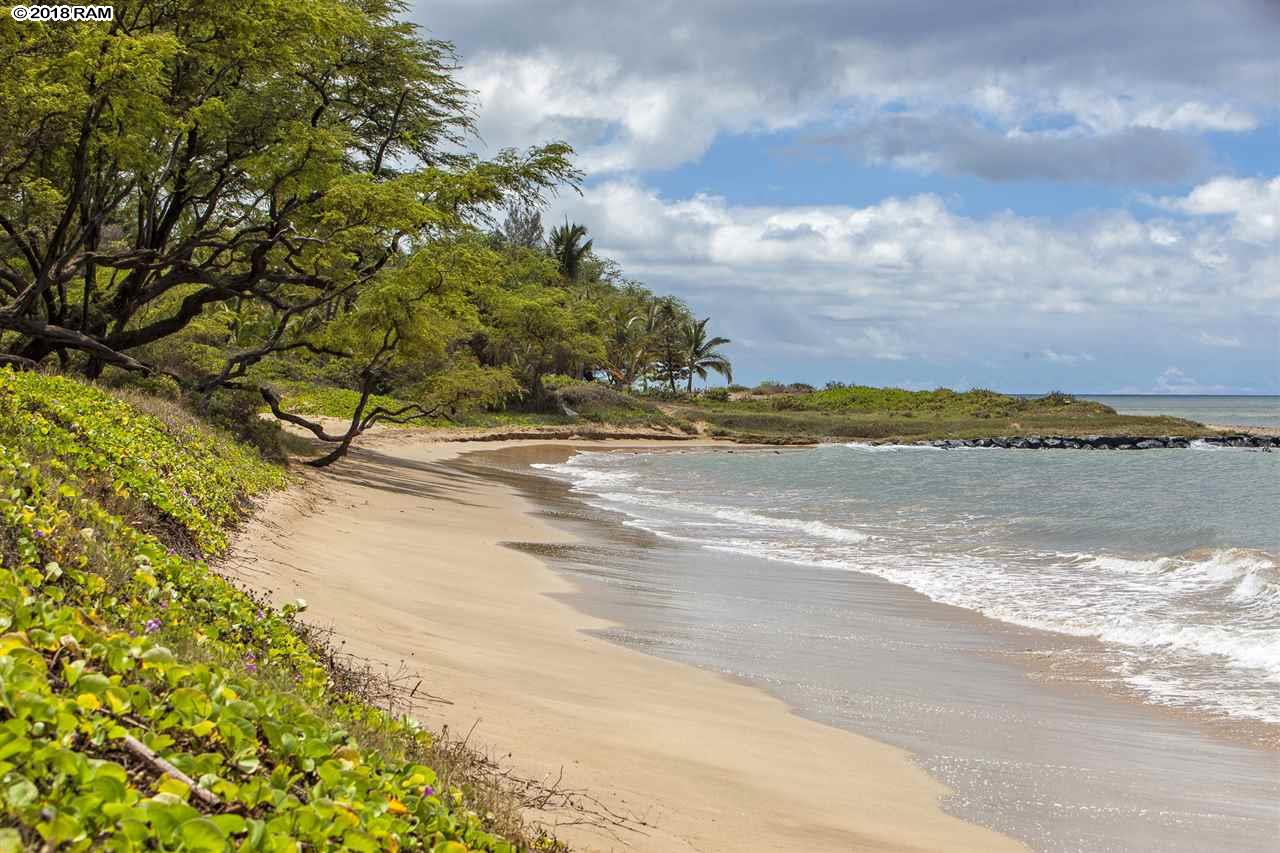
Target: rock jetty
(1108, 442)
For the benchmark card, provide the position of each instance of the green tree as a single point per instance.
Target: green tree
(417, 313)
(569, 247)
(669, 317)
(191, 154)
(700, 354)
(522, 226)
(536, 330)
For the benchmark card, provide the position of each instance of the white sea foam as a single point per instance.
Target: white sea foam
(740, 517)
(1203, 627)
(883, 448)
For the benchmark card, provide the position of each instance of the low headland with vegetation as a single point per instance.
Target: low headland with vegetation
(777, 413)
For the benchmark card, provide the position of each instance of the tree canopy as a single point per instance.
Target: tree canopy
(203, 189)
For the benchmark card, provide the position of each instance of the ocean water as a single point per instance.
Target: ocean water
(1221, 410)
(1166, 562)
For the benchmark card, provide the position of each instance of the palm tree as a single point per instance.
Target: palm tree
(568, 249)
(700, 352)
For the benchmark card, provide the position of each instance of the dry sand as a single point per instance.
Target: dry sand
(399, 551)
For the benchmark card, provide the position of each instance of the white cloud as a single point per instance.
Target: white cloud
(1175, 381)
(1220, 341)
(617, 119)
(1253, 204)
(960, 145)
(1194, 115)
(910, 278)
(1066, 358)
(1105, 112)
(648, 85)
(917, 253)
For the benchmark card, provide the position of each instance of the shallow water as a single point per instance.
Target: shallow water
(1053, 737)
(1234, 410)
(1169, 558)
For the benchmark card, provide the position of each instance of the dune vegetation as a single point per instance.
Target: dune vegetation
(145, 702)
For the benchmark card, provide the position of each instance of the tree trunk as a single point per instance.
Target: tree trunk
(337, 453)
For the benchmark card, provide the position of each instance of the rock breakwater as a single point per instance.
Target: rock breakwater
(1107, 442)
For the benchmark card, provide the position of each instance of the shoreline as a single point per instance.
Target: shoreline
(1070, 676)
(1079, 723)
(697, 761)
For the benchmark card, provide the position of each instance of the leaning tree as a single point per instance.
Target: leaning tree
(283, 160)
(191, 154)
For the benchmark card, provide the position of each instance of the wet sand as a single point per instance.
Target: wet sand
(1030, 742)
(399, 550)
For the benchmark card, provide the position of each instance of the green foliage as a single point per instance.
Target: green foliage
(774, 412)
(237, 412)
(295, 176)
(537, 330)
(598, 403)
(188, 477)
(276, 160)
(700, 353)
(570, 247)
(106, 634)
(338, 402)
(940, 402)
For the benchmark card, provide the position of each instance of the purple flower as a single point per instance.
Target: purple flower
(39, 534)
(428, 791)
(262, 614)
(251, 667)
(153, 625)
(249, 656)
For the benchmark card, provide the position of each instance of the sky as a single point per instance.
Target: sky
(1076, 195)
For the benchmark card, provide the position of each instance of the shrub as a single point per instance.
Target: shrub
(594, 399)
(716, 395)
(1056, 398)
(154, 385)
(555, 381)
(237, 412)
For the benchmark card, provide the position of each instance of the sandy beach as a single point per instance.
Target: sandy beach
(400, 552)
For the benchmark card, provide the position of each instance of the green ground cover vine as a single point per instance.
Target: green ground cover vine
(119, 654)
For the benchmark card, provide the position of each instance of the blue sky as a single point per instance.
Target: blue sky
(1080, 196)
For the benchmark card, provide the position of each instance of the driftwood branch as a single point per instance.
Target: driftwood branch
(147, 755)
